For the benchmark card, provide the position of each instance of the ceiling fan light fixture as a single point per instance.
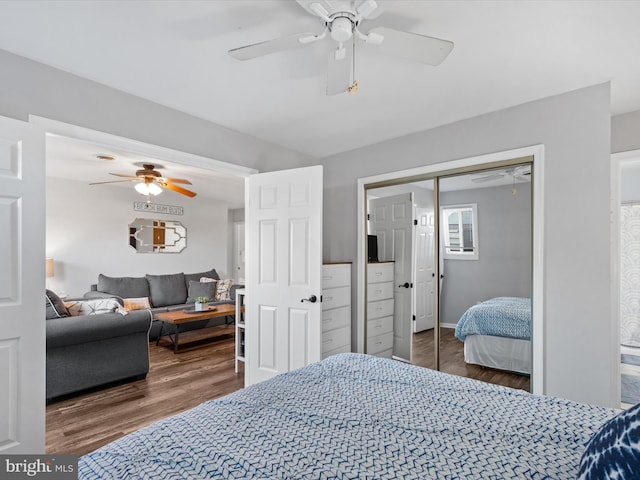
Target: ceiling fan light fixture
(341, 29)
(154, 189)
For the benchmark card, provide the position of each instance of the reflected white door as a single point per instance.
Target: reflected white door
(22, 286)
(238, 251)
(283, 271)
(391, 219)
(424, 284)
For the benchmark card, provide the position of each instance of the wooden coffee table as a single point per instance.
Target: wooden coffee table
(179, 318)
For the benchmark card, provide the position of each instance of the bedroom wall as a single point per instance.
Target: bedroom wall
(625, 132)
(28, 87)
(575, 130)
(87, 234)
(503, 267)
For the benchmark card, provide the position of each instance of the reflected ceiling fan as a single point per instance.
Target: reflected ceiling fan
(150, 180)
(520, 173)
(342, 20)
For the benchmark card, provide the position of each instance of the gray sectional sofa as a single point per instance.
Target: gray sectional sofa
(87, 351)
(165, 293)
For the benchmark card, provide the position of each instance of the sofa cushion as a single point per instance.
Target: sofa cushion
(195, 277)
(166, 289)
(199, 289)
(124, 287)
(55, 306)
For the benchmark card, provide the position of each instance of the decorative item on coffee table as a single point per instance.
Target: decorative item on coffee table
(202, 303)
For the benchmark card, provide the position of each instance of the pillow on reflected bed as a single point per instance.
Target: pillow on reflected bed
(614, 450)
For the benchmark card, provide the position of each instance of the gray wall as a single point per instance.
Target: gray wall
(575, 131)
(503, 267)
(28, 87)
(625, 132)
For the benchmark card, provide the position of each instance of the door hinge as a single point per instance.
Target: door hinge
(414, 318)
(415, 221)
(368, 217)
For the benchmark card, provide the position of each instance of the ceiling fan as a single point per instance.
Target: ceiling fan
(150, 180)
(342, 20)
(520, 173)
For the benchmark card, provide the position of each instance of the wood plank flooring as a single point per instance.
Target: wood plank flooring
(177, 382)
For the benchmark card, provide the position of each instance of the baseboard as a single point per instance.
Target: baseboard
(447, 325)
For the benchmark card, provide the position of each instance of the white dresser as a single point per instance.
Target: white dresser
(336, 309)
(380, 309)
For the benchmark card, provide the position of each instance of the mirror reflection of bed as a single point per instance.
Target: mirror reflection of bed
(485, 263)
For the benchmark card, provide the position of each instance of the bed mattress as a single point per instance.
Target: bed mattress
(358, 416)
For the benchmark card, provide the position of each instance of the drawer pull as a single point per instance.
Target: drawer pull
(378, 274)
(378, 326)
(328, 299)
(330, 277)
(330, 340)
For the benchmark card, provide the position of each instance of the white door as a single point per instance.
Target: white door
(424, 284)
(238, 251)
(22, 285)
(283, 270)
(391, 219)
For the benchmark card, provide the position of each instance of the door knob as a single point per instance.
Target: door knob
(404, 285)
(311, 299)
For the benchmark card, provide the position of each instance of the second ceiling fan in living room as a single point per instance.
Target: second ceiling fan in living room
(151, 182)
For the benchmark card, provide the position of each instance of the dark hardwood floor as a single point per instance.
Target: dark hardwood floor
(452, 360)
(177, 382)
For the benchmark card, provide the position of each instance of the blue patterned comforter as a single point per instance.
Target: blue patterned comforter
(500, 316)
(354, 416)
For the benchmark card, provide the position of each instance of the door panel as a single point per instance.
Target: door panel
(22, 285)
(425, 272)
(283, 268)
(392, 222)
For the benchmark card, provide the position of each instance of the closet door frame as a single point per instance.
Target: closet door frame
(533, 154)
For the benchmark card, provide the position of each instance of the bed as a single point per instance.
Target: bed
(359, 416)
(497, 334)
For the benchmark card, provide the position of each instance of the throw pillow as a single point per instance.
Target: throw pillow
(54, 306)
(199, 289)
(223, 290)
(614, 450)
(94, 307)
(207, 280)
(141, 303)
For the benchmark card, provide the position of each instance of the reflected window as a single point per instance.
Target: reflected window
(460, 231)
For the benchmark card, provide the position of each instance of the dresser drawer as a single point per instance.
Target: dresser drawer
(379, 291)
(336, 318)
(378, 326)
(336, 339)
(379, 343)
(379, 309)
(335, 297)
(338, 275)
(379, 272)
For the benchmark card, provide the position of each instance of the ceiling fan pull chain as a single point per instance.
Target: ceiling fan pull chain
(353, 88)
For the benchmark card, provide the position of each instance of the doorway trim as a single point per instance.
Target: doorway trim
(472, 163)
(83, 134)
(617, 160)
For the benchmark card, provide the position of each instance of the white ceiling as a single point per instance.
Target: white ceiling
(175, 53)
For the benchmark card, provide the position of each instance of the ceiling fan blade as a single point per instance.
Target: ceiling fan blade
(413, 46)
(134, 179)
(488, 178)
(178, 189)
(270, 46)
(175, 180)
(339, 70)
(121, 175)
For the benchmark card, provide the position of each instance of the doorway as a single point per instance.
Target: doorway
(495, 165)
